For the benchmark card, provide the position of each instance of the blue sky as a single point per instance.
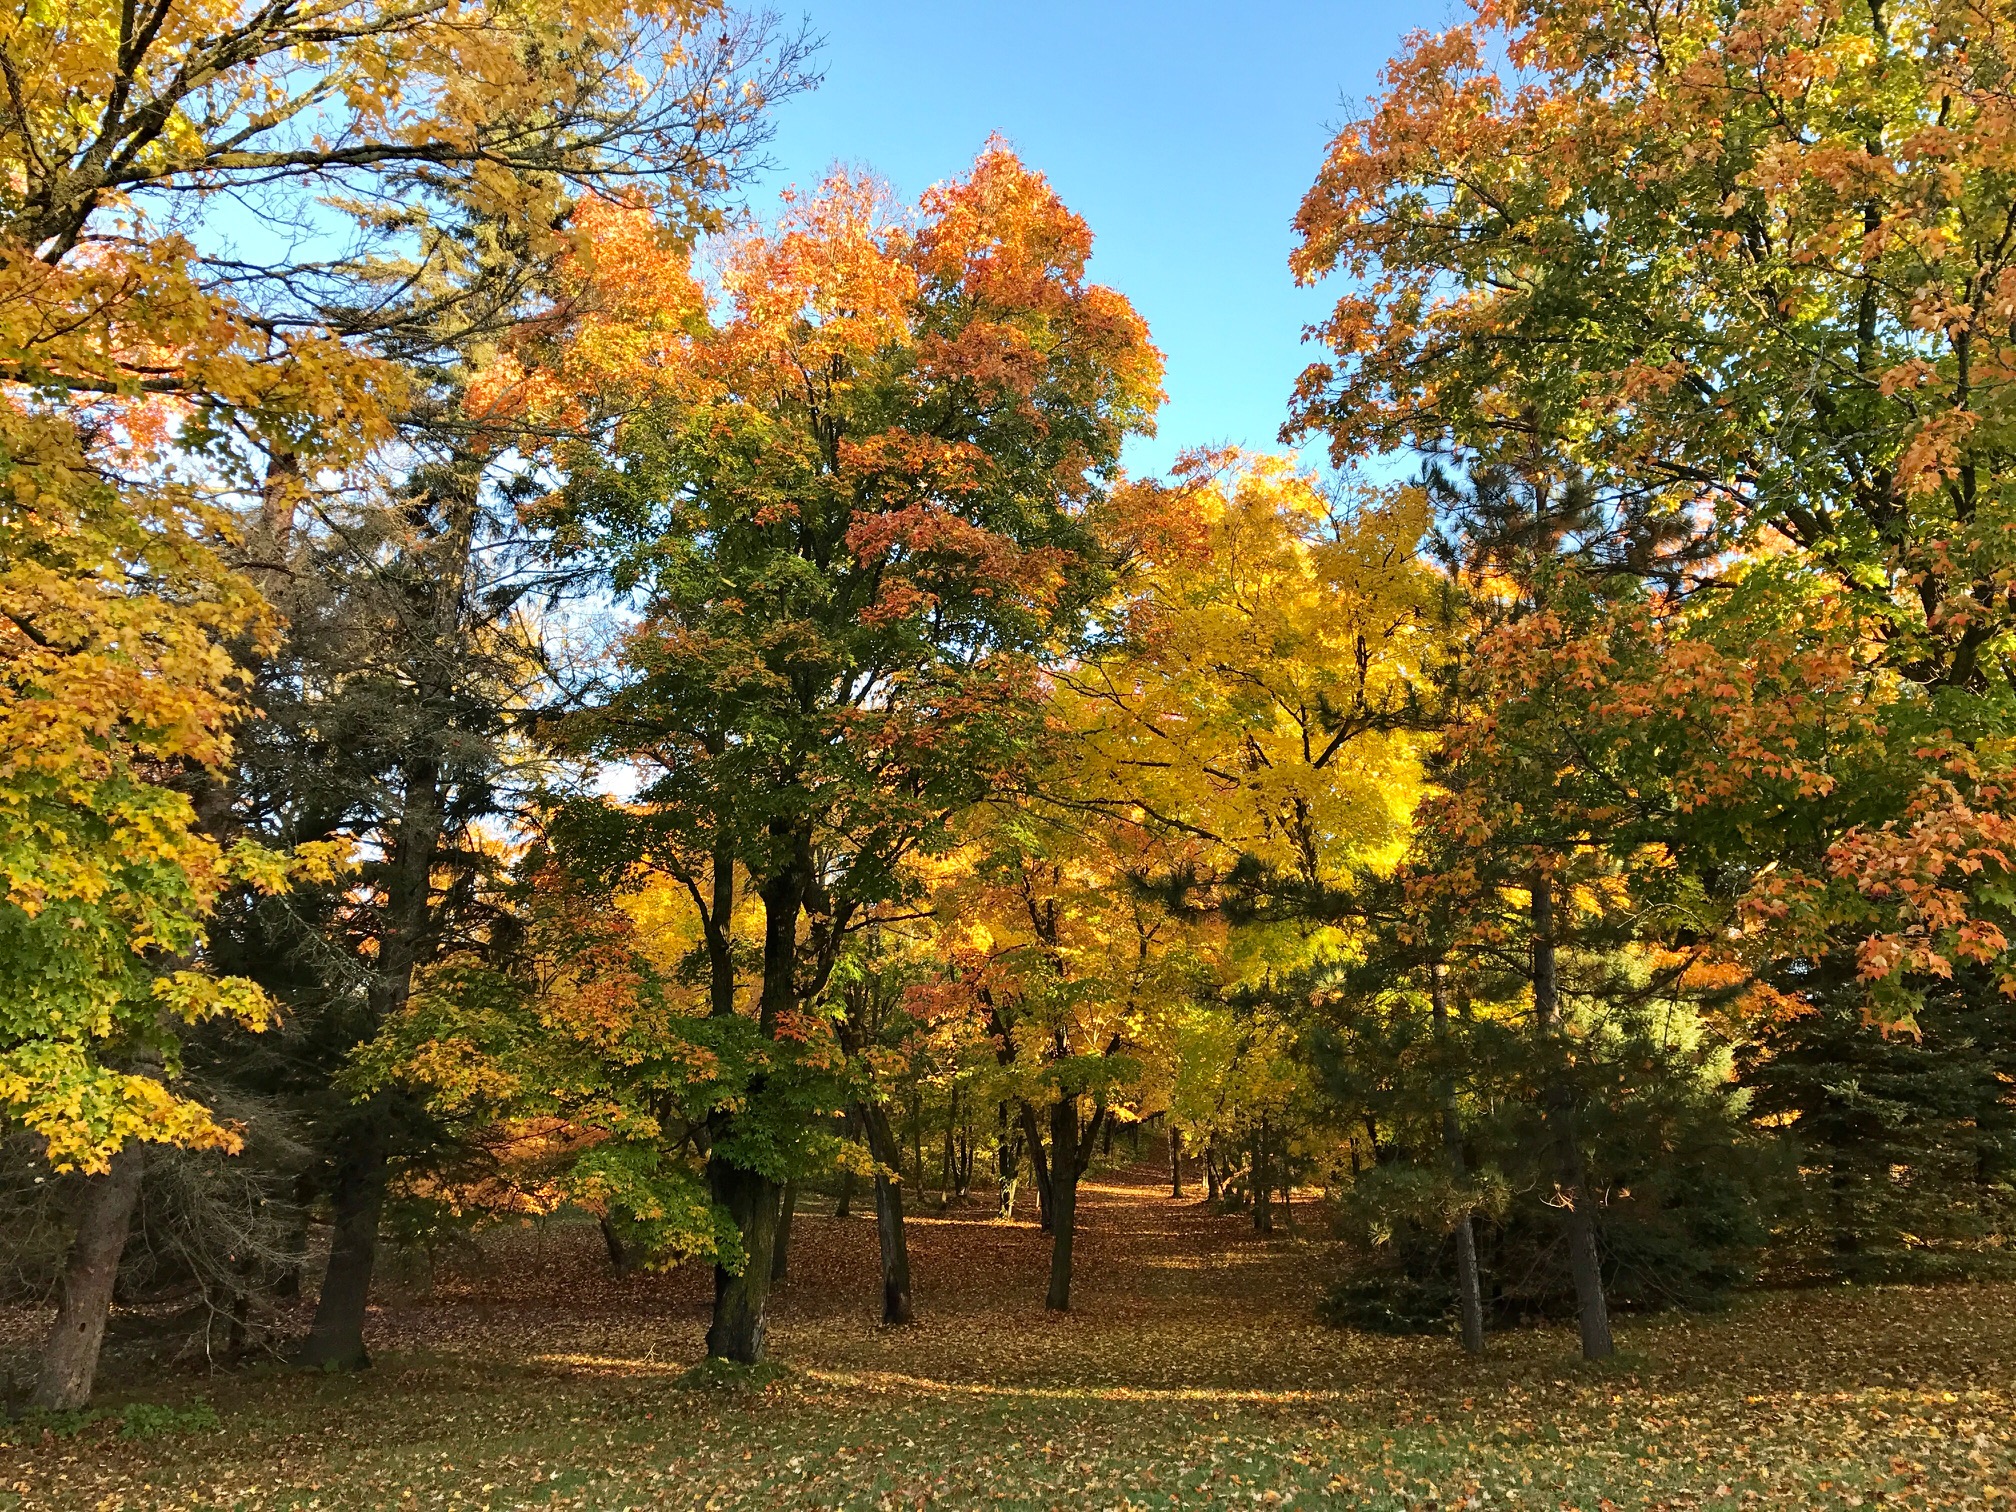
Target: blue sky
(1185, 133)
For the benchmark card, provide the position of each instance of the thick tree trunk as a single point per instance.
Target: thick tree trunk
(1592, 1309)
(1070, 1152)
(1175, 1162)
(780, 1248)
(612, 1241)
(891, 1237)
(741, 1299)
(104, 1217)
(1063, 1230)
(1469, 1290)
(336, 1337)
(897, 1304)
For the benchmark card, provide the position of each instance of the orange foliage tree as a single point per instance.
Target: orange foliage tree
(1755, 257)
(847, 487)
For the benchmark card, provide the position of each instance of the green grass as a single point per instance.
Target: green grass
(1191, 1375)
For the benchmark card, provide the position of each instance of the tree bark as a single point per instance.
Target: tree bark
(891, 1237)
(948, 1169)
(612, 1241)
(1261, 1183)
(104, 1218)
(741, 1298)
(1063, 1201)
(780, 1248)
(1007, 1160)
(1070, 1153)
(1469, 1291)
(336, 1337)
(843, 1205)
(898, 1307)
(1175, 1161)
(1592, 1308)
(1032, 1135)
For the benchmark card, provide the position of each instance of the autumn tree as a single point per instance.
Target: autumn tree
(152, 366)
(1076, 976)
(1757, 255)
(848, 501)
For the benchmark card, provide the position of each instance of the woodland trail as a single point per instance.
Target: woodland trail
(1191, 1373)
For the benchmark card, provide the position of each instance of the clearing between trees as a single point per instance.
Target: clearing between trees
(1192, 1372)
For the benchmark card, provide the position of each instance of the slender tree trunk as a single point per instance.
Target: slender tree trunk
(740, 1326)
(1175, 1161)
(843, 1205)
(1213, 1182)
(1591, 1307)
(946, 1168)
(1032, 1135)
(336, 1337)
(780, 1248)
(1262, 1184)
(1007, 1160)
(104, 1217)
(288, 1287)
(1469, 1291)
(891, 1237)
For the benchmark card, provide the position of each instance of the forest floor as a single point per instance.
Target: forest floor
(1191, 1373)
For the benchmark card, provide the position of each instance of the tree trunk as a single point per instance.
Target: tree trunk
(780, 1248)
(1070, 1153)
(1175, 1161)
(1261, 1182)
(946, 1168)
(741, 1299)
(104, 1217)
(843, 1205)
(1007, 1160)
(336, 1337)
(1213, 1188)
(612, 1241)
(891, 1237)
(1592, 1309)
(1032, 1135)
(1063, 1200)
(1469, 1291)
(897, 1304)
